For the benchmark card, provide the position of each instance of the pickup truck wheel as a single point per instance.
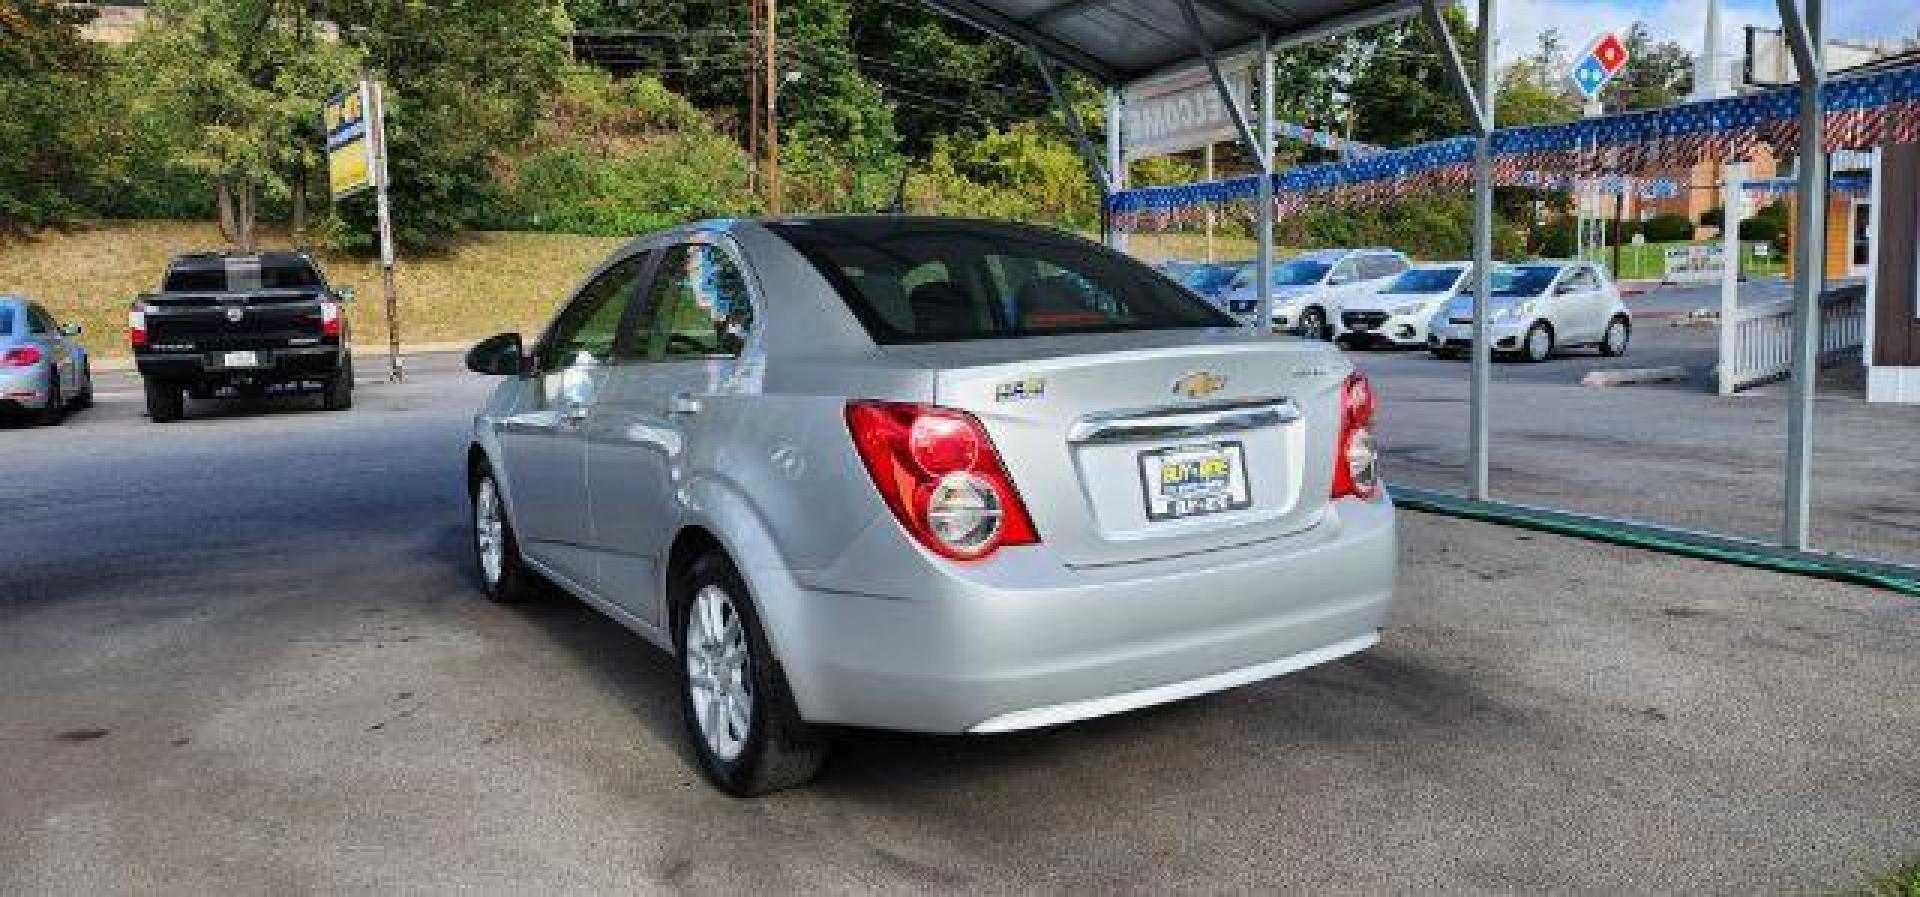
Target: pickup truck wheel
(739, 712)
(503, 576)
(165, 401)
(339, 392)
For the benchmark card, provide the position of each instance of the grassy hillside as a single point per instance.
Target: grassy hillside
(488, 283)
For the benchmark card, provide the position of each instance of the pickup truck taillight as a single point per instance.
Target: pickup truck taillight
(1356, 469)
(137, 324)
(941, 476)
(330, 319)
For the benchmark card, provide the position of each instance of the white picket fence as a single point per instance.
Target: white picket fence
(1759, 347)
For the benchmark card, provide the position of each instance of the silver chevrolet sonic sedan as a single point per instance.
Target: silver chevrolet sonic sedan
(926, 474)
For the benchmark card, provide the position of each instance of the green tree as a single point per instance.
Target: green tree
(1657, 74)
(464, 82)
(242, 82)
(51, 141)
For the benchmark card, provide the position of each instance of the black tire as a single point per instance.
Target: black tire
(338, 395)
(1313, 324)
(55, 410)
(779, 749)
(1531, 348)
(1608, 346)
(514, 582)
(165, 401)
(85, 398)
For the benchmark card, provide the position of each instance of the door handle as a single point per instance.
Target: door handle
(683, 403)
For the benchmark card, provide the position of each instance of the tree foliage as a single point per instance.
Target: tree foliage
(52, 148)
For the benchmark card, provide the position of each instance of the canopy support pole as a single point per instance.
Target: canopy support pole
(1806, 38)
(1479, 103)
(1102, 175)
(1116, 162)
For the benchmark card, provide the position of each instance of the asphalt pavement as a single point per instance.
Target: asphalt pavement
(245, 653)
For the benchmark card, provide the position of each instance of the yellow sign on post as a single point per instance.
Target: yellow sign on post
(350, 163)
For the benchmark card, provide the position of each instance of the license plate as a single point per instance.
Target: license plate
(1191, 480)
(240, 359)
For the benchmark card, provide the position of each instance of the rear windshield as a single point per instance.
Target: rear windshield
(929, 281)
(1424, 280)
(241, 275)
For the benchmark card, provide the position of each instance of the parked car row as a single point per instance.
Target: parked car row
(1372, 298)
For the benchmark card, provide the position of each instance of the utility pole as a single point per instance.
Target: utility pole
(753, 96)
(770, 71)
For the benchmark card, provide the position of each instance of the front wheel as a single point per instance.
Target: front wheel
(738, 711)
(1614, 343)
(1538, 345)
(503, 575)
(1313, 324)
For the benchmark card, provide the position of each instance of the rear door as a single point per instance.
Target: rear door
(543, 442)
(680, 383)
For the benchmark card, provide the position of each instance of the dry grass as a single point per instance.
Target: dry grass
(488, 283)
(1192, 247)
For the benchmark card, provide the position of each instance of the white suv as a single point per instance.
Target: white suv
(1309, 288)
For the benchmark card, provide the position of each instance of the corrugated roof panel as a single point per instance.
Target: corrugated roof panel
(1118, 41)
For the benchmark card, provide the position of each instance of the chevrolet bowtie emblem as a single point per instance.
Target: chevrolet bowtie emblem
(1199, 384)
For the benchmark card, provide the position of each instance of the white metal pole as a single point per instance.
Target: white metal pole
(1116, 158)
(383, 213)
(1732, 195)
(1206, 161)
(1808, 273)
(1482, 257)
(1263, 217)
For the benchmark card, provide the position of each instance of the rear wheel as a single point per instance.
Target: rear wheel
(739, 713)
(1614, 343)
(503, 576)
(338, 395)
(165, 401)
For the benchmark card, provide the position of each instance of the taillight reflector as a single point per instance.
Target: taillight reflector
(21, 357)
(137, 325)
(330, 319)
(939, 473)
(1356, 460)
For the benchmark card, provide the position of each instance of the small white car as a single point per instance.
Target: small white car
(1536, 309)
(1309, 288)
(1398, 313)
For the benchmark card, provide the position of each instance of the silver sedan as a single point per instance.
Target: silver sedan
(926, 474)
(44, 371)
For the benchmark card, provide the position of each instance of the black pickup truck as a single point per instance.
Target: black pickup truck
(241, 322)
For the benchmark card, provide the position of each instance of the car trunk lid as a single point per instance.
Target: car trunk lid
(1134, 446)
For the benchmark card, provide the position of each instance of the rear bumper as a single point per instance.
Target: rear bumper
(23, 389)
(277, 365)
(1033, 644)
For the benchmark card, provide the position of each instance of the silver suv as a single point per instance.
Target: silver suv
(1310, 288)
(927, 474)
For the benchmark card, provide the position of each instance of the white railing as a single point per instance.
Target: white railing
(1757, 346)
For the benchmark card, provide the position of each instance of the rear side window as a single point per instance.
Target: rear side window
(698, 308)
(911, 281)
(6, 320)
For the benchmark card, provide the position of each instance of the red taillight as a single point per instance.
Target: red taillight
(330, 319)
(21, 357)
(939, 473)
(137, 325)
(1356, 460)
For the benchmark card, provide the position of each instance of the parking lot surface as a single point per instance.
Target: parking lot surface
(245, 653)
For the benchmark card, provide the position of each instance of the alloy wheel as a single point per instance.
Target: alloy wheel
(719, 672)
(489, 531)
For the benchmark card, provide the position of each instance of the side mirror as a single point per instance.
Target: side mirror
(498, 356)
(346, 294)
(1338, 280)
(72, 330)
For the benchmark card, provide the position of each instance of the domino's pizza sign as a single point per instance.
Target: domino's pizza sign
(1598, 66)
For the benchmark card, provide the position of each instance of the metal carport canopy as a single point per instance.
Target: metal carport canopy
(1117, 42)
